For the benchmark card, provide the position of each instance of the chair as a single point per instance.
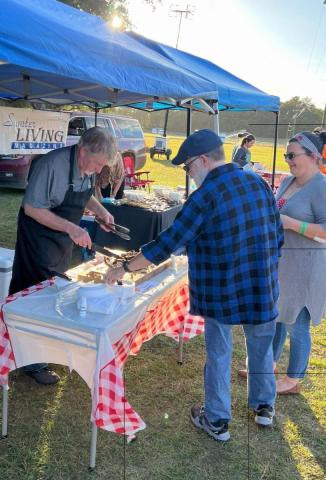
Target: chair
(134, 179)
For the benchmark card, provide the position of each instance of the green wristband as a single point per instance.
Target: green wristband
(303, 228)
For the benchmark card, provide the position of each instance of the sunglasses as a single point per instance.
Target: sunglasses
(187, 166)
(291, 156)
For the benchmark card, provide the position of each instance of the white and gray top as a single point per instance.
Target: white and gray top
(302, 268)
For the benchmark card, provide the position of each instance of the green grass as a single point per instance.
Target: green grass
(164, 173)
(49, 428)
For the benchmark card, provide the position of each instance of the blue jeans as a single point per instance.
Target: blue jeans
(217, 370)
(300, 344)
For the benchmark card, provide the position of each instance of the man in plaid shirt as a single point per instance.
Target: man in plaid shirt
(232, 232)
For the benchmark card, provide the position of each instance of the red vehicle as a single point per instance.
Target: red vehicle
(127, 132)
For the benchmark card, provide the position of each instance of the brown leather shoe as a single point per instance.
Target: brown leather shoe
(45, 376)
(290, 391)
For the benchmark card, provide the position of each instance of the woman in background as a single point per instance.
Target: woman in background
(238, 145)
(242, 156)
(110, 181)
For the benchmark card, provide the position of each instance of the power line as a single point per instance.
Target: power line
(314, 40)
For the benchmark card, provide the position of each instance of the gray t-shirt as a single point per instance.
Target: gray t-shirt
(302, 267)
(49, 179)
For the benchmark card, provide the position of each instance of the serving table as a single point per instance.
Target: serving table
(144, 225)
(43, 324)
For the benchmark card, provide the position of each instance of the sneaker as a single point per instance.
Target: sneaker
(45, 376)
(218, 430)
(264, 415)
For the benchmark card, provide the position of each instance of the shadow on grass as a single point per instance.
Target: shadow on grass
(49, 427)
(49, 433)
(295, 447)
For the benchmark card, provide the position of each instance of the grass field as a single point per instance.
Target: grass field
(49, 429)
(163, 172)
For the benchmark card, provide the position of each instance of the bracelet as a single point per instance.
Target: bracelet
(303, 228)
(125, 266)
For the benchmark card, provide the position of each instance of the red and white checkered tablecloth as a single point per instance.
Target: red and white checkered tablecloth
(170, 316)
(111, 410)
(7, 358)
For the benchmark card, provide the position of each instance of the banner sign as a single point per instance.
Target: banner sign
(25, 131)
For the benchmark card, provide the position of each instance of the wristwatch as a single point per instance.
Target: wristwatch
(125, 266)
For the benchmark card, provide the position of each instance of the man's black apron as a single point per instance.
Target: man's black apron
(40, 251)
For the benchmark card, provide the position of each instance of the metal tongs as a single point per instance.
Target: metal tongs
(119, 230)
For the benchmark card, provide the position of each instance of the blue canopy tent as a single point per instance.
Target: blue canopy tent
(52, 52)
(232, 92)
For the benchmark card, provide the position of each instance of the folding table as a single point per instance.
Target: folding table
(37, 327)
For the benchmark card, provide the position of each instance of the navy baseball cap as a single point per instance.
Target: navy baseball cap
(198, 143)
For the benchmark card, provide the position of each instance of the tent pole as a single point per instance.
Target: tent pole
(189, 121)
(96, 110)
(216, 120)
(166, 118)
(275, 147)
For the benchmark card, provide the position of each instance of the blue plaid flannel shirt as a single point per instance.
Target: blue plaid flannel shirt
(233, 235)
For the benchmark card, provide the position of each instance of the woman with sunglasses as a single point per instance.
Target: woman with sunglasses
(302, 271)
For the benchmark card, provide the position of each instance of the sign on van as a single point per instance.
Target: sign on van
(31, 131)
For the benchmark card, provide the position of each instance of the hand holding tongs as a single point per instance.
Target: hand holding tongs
(119, 230)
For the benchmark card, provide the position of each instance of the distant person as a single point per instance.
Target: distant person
(242, 156)
(233, 258)
(110, 181)
(322, 166)
(238, 145)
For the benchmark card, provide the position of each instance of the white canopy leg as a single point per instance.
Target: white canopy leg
(4, 429)
(92, 459)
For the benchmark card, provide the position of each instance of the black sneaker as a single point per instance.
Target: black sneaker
(44, 376)
(218, 430)
(264, 415)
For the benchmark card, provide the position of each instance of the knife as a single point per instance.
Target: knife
(105, 251)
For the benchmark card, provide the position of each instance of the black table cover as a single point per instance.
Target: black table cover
(144, 226)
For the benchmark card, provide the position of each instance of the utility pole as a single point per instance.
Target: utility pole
(324, 116)
(185, 11)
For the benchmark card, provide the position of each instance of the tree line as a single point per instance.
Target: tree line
(297, 114)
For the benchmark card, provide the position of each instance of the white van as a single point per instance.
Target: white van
(127, 132)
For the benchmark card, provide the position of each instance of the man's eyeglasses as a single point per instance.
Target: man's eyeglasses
(186, 167)
(291, 156)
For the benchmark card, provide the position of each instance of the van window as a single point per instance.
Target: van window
(110, 127)
(76, 126)
(130, 128)
(91, 122)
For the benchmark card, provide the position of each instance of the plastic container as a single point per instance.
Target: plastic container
(6, 261)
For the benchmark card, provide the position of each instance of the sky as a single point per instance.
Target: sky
(278, 46)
